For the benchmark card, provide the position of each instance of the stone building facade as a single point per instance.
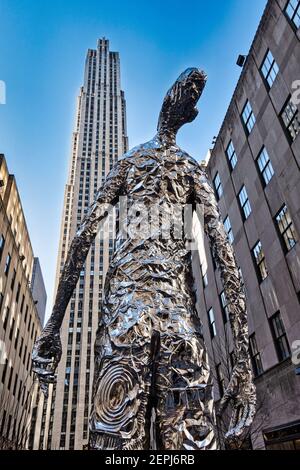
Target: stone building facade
(254, 168)
(19, 320)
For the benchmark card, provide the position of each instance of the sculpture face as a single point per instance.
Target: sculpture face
(179, 106)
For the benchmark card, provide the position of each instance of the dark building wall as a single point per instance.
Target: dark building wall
(278, 386)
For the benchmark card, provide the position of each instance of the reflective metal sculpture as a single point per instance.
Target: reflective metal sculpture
(152, 376)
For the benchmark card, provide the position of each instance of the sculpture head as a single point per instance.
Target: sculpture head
(179, 106)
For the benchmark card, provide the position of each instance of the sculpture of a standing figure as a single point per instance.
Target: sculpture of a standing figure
(151, 365)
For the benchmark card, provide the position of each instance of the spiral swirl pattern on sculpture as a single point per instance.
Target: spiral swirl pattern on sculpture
(116, 399)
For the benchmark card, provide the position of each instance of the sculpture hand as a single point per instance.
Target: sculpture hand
(241, 393)
(46, 355)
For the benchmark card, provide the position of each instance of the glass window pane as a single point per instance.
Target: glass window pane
(248, 117)
(293, 11)
(231, 155)
(286, 228)
(270, 68)
(290, 118)
(244, 202)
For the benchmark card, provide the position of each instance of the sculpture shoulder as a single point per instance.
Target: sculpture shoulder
(146, 149)
(153, 148)
(184, 156)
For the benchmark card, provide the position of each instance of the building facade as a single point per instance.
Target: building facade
(19, 319)
(254, 168)
(38, 289)
(100, 138)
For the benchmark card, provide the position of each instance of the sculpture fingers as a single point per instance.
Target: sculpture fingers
(45, 374)
(241, 421)
(230, 436)
(230, 394)
(39, 359)
(224, 403)
(44, 369)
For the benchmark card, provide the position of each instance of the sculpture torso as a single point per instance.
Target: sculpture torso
(150, 280)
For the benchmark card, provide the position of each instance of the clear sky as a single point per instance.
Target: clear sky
(42, 52)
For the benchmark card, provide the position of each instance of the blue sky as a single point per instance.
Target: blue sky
(42, 52)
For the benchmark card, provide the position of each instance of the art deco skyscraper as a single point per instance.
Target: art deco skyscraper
(100, 138)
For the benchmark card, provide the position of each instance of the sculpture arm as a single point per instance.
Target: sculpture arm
(47, 349)
(241, 390)
(106, 196)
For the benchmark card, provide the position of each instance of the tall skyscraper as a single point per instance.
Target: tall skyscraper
(254, 167)
(99, 139)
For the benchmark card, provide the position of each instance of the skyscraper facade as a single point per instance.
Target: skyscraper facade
(99, 139)
(254, 167)
(38, 289)
(20, 323)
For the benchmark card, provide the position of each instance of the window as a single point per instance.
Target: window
(8, 427)
(13, 280)
(255, 356)
(15, 385)
(248, 117)
(293, 12)
(1, 300)
(21, 347)
(265, 166)
(7, 264)
(231, 155)
(72, 441)
(20, 390)
(3, 423)
(218, 186)
(224, 306)
(280, 338)
(204, 276)
(4, 371)
(212, 323)
(290, 119)
(18, 292)
(62, 442)
(12, 329)
(228, 229)
(6, 318)
(17, 338)
(10, 378)
(260, 262)
(286, 228)
(22, 303)
(269, 69)
(2, 243)
(244, 203)
(220, 379)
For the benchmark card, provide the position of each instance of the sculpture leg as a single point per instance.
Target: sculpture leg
(185, 408)
(120, 397)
